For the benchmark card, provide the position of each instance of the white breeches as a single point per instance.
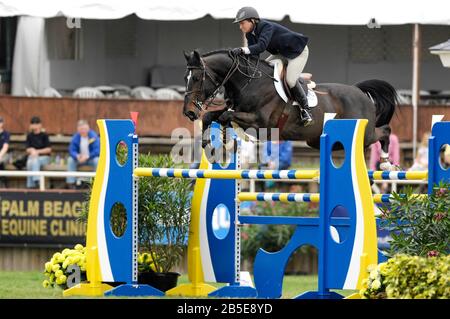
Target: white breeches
(294, 67)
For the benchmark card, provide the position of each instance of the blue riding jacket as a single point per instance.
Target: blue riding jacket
(276, 39)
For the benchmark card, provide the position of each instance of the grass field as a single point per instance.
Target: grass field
(18, 285)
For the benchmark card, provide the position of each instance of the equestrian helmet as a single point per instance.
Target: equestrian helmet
(246, 13)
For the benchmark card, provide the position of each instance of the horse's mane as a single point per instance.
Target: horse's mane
(219, 51)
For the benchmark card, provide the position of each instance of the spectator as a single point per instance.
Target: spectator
(421, 160)
(4, 146)
(394, 153)
(84, 149)
(38, 150)
(394, 156)
(277, 155)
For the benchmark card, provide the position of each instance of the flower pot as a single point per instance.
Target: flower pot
(159, 280)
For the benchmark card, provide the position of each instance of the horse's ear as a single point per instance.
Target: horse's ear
(187, 55)
(196, 58)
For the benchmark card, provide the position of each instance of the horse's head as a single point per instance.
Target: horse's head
(204, 76)
(199, 85)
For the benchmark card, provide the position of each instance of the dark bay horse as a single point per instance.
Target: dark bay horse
(253, 102)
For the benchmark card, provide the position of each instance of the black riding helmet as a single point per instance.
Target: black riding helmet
(246, 13)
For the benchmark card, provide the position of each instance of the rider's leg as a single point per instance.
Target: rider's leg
(293, 72)
(300, 96)
(275, 57)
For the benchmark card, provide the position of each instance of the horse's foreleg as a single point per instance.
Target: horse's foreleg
(207, 120)
(383, 133)
(243, 119)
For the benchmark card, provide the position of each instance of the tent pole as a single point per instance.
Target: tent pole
(416, 82)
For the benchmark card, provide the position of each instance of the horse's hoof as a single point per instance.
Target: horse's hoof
(205, 143)
(386, 166)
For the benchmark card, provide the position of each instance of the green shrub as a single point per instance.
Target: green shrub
(163, 214)
(418, 226)
(409, 277)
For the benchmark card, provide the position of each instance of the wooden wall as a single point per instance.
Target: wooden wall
(25, 258)
(157, 118)
(59, 115)
(401, 123)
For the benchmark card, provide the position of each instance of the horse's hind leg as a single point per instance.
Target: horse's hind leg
(383, 135)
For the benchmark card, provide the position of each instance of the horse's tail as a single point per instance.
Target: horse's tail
(384, 97)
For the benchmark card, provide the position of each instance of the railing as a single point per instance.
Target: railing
(44, 174)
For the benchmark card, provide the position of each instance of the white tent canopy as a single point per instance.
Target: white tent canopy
(344, 12)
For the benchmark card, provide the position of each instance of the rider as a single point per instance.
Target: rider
(278, 40)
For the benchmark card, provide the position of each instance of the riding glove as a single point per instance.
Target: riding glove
(237, 51)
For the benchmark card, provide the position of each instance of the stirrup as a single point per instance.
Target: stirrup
(307, 122)
(306, 118)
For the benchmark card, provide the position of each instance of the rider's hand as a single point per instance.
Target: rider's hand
(237, 51)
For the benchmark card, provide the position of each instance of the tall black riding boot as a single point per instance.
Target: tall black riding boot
(300, 96)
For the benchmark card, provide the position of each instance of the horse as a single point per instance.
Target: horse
(253, 102)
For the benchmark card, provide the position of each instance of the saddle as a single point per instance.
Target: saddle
(279, 73)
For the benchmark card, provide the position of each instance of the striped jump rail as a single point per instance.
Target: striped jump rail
(267, 174)
(227, 174)
(398, 175)
(304, 197)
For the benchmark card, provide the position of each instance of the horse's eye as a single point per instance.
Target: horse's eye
(195, 78)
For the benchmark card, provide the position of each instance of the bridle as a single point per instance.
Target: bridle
(235, 66)
(205, 73)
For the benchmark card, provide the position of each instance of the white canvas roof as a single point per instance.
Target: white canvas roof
(344, 12)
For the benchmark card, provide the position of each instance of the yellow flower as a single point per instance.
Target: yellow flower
(373, 274)
(61, 280)
(56, 267)
(48, 266)
(75, 259)
(371, 267)
(376, 284)
(45, 283)
(56, 255)
(78, 247)
(58, 273)
(65, 263)
(66, 251)
(382, 268)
